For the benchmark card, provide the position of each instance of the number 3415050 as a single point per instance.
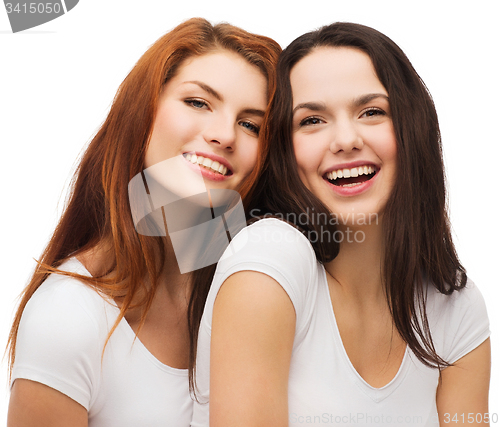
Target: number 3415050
(33, 7)
(471, 418)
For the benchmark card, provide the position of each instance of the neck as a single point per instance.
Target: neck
(358, 267)
(176, 285)
(173, 284)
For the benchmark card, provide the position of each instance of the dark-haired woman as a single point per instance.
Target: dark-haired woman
(361, 314)
(101, 337)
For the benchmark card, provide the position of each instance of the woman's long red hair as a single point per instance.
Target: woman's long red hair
(98, 209)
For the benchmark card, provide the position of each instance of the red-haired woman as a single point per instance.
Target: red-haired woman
(102, 335)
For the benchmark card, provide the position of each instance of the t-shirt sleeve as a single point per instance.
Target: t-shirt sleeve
(58, 342)
(277, 249)
(463, 322)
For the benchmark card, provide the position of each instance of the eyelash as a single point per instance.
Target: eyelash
(378, 111)
(305, 121)
(252, 127)
(192, 102)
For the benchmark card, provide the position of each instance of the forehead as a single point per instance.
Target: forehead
(222, 69)
(335, 71)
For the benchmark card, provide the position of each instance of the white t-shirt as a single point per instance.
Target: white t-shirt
(60, 343)
(324, 388)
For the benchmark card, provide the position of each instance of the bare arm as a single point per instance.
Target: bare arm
(33, 404)
(462, 393)
(253, 329)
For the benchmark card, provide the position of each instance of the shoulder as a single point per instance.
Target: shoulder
(459, 322)
(65, 311)
(61, 335)
(272, 247)
(276, 249)
(65, 298)
(458, 303)
(269, 239)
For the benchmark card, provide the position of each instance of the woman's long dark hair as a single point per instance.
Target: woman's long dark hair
(418, 241)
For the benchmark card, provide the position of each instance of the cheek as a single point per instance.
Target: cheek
(248, 155)
(308, 159)
(174, 123)
(386, 146)
(387, 152)
(171, 130)
(390, 148)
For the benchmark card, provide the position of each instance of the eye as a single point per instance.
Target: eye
(196, 103)
(372, 112)
(310, 121)
(252, 127)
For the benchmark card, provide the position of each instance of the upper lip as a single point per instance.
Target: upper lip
(213, 157)
(351, 165)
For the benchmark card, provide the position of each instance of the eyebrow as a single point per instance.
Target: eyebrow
(357, 102)
(253, 112)
(219, 97)
(313, 106)
(364, 99)
(208, 89)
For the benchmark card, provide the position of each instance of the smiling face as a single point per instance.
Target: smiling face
(210, 112)
(343, 134)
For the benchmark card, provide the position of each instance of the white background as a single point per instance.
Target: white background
(57, 82)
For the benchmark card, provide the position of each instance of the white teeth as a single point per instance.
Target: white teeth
(207, 163)
(351, 185)
(348, 173)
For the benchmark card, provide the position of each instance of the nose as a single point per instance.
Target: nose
(346, 137)
(221, 132)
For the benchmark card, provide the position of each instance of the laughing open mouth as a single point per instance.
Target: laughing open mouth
(351, 177)
(211, 165)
